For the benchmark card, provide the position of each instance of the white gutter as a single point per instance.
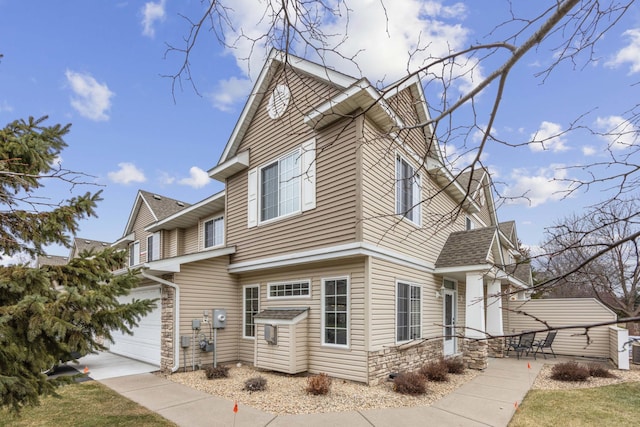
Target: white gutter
(176, 328)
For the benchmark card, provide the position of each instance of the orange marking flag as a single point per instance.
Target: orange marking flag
(235, 408)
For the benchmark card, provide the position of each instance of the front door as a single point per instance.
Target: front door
(449, 321)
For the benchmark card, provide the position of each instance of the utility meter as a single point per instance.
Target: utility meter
(219, 318)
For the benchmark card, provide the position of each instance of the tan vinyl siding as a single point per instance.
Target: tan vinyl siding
(190, 241)
(348, 363)
(382, 227)
(382, 315)
(566, 312)
(206, 285)
(143, 219)
(335, 203)
(290, 354)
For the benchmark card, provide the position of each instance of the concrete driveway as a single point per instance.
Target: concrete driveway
(108, 365)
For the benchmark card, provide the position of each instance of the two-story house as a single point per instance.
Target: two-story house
(341, 243)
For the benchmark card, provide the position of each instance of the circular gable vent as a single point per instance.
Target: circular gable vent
(279, 101)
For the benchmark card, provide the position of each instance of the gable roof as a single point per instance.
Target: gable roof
(160, 207)
(470, 247)
(275, 60)
(80, 245)
(353, 94)
(190, 215)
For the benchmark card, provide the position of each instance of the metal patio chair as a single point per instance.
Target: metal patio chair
(523, 345)
(547, 342)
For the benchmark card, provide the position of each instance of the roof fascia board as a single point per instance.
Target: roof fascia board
(435, 166)
(173, 264)
(131, 237)
(158, 225)
(463, 269)
(331, 253)
(235, 164)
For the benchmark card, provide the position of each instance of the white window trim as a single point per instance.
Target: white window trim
(395, 309)
(134, 245)
(203, 230)
(307, 197)
(244, 311)
(296, 152)
(285, 282)
(156, 250)
(346, 346)
(417, 206)
(468, 220)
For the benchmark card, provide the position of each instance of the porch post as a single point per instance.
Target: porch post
(494, 308)
(474, 303)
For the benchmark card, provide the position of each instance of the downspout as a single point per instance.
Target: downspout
(176, 328)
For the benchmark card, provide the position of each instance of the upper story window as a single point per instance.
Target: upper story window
(213, 232)
(153, 247)
(283, 187)
(469, 223)
(134, 253)
(289, 290)
(280, 187)
(408, 191)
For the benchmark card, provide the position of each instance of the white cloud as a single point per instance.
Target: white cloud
(536, 187)
(229, 91)
(16, 259)
(127, 174)
(92, 99)
(617, 132)
(5, 107)
(197, 178)
(428, 29)
(152, 12)
(458, 160)
(548, 137)
(628, 54)
(588, 150)
(166, 178)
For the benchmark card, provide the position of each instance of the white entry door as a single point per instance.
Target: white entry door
(449, 321)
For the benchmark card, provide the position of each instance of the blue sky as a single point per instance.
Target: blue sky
(99, 66)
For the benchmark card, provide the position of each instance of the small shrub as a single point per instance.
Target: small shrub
(412, 383)
(435, 371)
(455, 365)
(598, 370)
(318, 384)
(255, 384)
(217, 372)
(569, 371)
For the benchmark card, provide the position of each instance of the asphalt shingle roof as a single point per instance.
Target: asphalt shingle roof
(470, 247)
(280, 313)
(162, 206)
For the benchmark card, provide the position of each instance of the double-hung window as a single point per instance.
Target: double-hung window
(335, 312)
(134, 253)
(408, 191)
(280, 187)
(251, 306)
(153, 247)
(214, 232)
(283, 187)
(408, 312)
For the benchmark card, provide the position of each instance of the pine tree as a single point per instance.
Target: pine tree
(49, 313)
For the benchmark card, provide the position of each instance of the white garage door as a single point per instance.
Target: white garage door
(144, 344)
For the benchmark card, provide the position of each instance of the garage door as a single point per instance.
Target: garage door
(144, 344)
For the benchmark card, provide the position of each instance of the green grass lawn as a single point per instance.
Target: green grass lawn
(615, 405)
(85, 404)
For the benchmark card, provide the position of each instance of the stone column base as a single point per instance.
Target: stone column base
(475, 353)
(496, 348)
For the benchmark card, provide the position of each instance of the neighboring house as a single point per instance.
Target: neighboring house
(340, 244)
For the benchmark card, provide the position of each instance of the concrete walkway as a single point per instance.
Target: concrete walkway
(489, 399)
